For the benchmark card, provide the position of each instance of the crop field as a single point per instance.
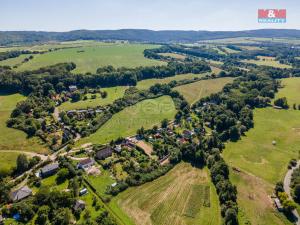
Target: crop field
(145, 84)
(262, 163)
(89, 58)
(184, 196)
(113, 93)
(267, 61)
(125, 123)
(12, 139)
(197, 90)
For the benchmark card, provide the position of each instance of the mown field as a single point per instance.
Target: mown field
(262, 163)
(145, 84)
(89, 58)
(113, 93)
(267, 61)
(125, 123)
(13, 61)
(197, 90)
(12, 139)
(291, 90)
(184, 196)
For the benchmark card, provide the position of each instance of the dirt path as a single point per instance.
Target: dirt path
(287, 189)
(146, 147)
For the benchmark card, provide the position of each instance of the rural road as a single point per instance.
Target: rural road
(287, 189)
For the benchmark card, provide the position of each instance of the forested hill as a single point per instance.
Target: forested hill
(21, 37)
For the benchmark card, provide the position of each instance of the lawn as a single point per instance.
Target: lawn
(125, 123)
(291, 90)
(89, 58)
(262, 163)
(170, 199)
(145, 84)
(7, 161)
(194, 91)
(113, 93)
(267, 61)
(12, 139)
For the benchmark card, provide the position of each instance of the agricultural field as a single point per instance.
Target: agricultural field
(89, 58)
(267, 61)
(197, 90)
(184, 196)
(125, 123)
(113, 93)
(262, 164)
(145, 84)
(12, 139)
(7, 161)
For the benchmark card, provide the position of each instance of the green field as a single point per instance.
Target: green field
(113, 93)
(262, 163)
(145, 84)
(195, 91)
(267, 61)
(12, 139)
(89, 58)
(125, 123)
(184, 196)
(13, 61)
(291, 90)
(7, 161)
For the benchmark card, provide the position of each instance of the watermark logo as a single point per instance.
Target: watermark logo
(272, 15)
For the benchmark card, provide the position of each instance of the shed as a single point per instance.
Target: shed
(83, 191)
(73, 88)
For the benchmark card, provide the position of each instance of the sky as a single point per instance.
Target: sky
(66, 15)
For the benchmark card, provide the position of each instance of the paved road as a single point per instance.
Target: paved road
(287, 189)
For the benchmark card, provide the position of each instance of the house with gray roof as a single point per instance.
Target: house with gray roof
(49, 169)
(21, 194)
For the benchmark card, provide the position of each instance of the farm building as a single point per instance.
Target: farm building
(104, 153)
(49, 170)
(21, 193)
(85, 163)
(79, 204)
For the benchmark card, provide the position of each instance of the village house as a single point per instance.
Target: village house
(85, 163)
(118, 148)
(79, 204)
(49, 170)
(21, 193)
(104, 153)
(188, 133)
(73, 88)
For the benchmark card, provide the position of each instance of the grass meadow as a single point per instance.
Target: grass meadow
(145, 84)
(184, 196)
(12, 139)
(262, 164)
(113, 93)
(267, 61)
(291, 90)
(125, 123)
(89, 58)
(194, 91)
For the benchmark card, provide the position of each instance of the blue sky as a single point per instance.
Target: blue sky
(65, 15)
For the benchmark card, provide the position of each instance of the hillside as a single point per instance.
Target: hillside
(141, 35)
